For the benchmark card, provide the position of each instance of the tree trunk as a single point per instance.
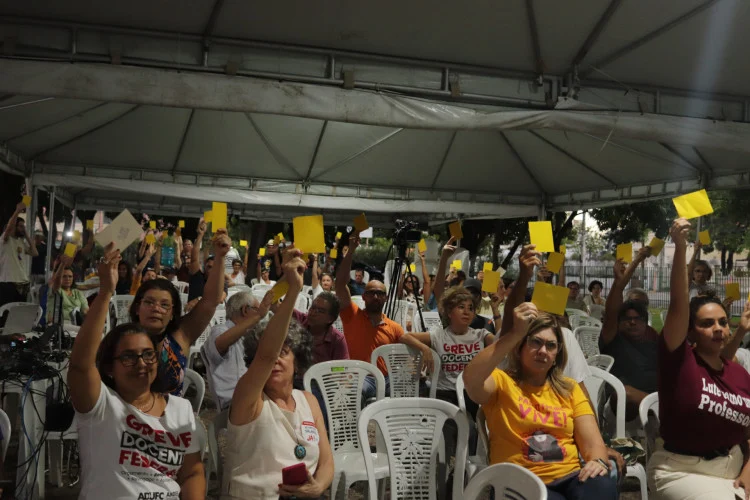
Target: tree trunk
(730, 261)
(516, 244)
(495, 249)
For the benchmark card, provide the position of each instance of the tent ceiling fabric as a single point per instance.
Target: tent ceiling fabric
(118, 134)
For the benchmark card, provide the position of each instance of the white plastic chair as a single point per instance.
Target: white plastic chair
(34, 293)
(341, 382)
(570, 311)
(364, 280)
(302, 304)
(412, 429)
(509, 481)
(359, 301)
(404, 366)
(431, 320)
(577, 320)
(479, 461)
(403, 312)
(649, 404)
(194, 379)
(5, 428)
(26, 306)
(181, 286)
(588, 339)
(215, 427)
(600, 377)
(662, 315)
(596, 311)
(261, 287)
(120, 304)
(195, 349)
(603, 361)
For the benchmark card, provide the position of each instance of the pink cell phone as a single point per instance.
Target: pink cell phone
(294, 474)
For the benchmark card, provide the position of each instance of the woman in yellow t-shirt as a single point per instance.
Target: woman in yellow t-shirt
(537, 418)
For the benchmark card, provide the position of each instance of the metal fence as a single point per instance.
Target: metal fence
(655, 280)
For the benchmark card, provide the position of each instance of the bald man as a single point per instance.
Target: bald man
(365, 330)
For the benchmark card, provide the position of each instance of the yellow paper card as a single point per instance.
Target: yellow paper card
(178, 231)
(207, 217)
(455, 229)
(152, 224)
(150, 238)
(732, 290)
(26, 200)
(360, 223)
(218, 216)
(164, 234)
(280, 236)
(70, 249)
(90, 225)
(550, 298)
(76, 236)
(457, 265)
(422, 246)
(563, 249)
(540, 233)
(279, 290)
(692, 205)
(491, 281)
(262, 252)
(413, 267)
(555, 262)
(656, 245)
(181, 224)
(338, 235)
(308, 234)
(625, 252)
(334, 253)
(243, 243)
(704, 238)
(488, 266)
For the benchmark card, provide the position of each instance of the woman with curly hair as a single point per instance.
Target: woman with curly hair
(538, 418)
(272, 425)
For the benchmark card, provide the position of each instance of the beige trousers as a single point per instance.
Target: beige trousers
(683, 477)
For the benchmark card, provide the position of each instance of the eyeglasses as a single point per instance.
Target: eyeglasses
(375, 293)
(164, 306)
(634, 319)
(535, 343)
(131, 359)
(321, 310)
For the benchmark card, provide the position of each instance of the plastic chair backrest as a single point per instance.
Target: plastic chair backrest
(340, 382)
(412, 429)
(5, 428)
(596, 311)
(431, 320)
(261, 287)
(339, 325)
(575, 312)
(388, 271)
(483, 447)
(404, 366)
(218, 424)
(181, 286)
(588, 339)
(193, 378)
(302, 304)
(577, 320)
(649, 405)
(364, 280)
(359, 301)
(460, 391)
(509, 481)
(220, 317)
(22, 317)
(403, 311)
(121, 304)
(209, 371)
(240, 288)
(601, 377)
(603, 361)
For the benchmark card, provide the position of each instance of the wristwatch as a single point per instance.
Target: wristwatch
(604, 463)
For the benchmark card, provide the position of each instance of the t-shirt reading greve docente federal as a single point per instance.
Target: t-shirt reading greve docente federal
(701, 410)
(456, 351)
(128, 454)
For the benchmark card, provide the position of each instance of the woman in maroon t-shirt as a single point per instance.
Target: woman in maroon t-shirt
(704, 400)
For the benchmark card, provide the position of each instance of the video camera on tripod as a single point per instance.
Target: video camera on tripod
(405, 233)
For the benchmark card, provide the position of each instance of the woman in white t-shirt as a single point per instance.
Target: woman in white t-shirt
(271, 425)
(456, 344)
(237, 276)
(322, 284)
(135, 441)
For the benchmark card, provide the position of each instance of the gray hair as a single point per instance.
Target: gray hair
(236, 302)
(298, 340)
(636, 292)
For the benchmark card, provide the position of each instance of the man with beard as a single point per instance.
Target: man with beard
(627, 337)
(365, 330)
(16, 249)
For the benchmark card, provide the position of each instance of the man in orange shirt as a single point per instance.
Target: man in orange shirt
(365, 330)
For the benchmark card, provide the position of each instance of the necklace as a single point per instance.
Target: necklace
(153, 402)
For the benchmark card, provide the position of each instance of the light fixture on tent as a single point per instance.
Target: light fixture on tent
(69, 234)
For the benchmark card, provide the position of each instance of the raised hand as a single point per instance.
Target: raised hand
(619, 270)
(107, 269)
(449, 248)
(354, 241)
(221, 243)
(523, 315)
(643, 254)
(679, 232)
(529, 258)
(294, 268)
(265, 304)
(202, 227)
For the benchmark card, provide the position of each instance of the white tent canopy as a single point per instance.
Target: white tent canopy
(416, 110)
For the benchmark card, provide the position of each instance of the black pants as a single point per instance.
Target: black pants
(451, 430)
(595, 488)
(12, 292)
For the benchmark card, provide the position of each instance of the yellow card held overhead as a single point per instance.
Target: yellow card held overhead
(207, 217)
(732, 291)
(218, 216)
(625, 252)
(455, 229)
(26, 200)
(413, 267)
(422, 245)
(262, 252)
(181, 224)
(308, 234)
(692, 205)
(563, 249)
(243, 243)
(704, 238)
(550, 298)
(150, 238)
(90, 225)
(279, 290)
(457, 265)
(164, 234)
(555, 262)
(334, 254)
(76, 236)
(338, 235)
(70, 249)
(656, 245)
(491, 281)
(360, 223)
(488, 266)
(540, 233)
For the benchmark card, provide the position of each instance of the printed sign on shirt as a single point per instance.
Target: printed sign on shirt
(310, 432)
